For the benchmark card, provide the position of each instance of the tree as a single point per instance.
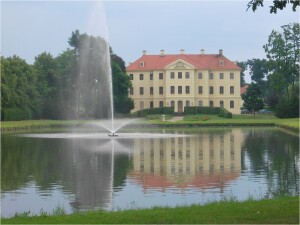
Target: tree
(289, 107)
(258, 69)
(277, 4)
(67, 67)
(121, 84)
(47, 85)
(19, 97)
(283, 53)
(243, 66)
(252, 98)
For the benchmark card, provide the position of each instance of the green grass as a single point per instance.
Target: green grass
(189, 120)
(7, 126)
(283, 210)
(236, 120)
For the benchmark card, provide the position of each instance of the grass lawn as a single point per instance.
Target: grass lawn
(283, 210)
(188, 120)
(36, 124)
(236, 120)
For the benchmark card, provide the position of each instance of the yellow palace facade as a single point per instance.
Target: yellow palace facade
(180, 80)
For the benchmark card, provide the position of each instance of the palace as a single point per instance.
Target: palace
(180, 80)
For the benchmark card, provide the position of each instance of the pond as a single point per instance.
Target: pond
(145, 168)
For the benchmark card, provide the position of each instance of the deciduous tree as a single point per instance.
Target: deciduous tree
(277, 4)
(252, 98)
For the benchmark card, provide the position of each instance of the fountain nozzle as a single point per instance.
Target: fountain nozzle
(112, 134)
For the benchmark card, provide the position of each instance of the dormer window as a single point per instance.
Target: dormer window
(142, 64)
(221, 63)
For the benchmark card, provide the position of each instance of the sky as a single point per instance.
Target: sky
(29, 28)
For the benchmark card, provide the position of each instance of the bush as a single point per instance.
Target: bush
(12, 114)
(224, 113)
(201, 110)
(160, 110)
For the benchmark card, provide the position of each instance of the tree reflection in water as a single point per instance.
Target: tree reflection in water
(91, 171)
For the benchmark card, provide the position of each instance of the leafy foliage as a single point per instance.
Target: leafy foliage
(222, 112)
(68, 86)
(243, 66)
(160, 110)
(276, 5)
(252, 98)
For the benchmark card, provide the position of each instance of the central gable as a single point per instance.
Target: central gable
(179, 64)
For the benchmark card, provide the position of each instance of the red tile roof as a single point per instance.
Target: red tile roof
(244, 88)
(199, 61)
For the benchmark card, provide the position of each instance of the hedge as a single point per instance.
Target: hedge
(160, 110)
(222, 112)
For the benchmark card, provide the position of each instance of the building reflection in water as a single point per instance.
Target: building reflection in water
(204, 161)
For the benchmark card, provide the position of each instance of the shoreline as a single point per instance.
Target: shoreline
(35, 125)
(281, 210)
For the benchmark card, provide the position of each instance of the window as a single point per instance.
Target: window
(221, 76)
(211, 90)
(187, 89)
(141, 105)
(231, 104)
(151, 76)
(222, 104)
(141, 76)
(161, 90)
(161, 76)
(200, 89)
(211, 76)
(172, 104)
(131, 91)
(231, 76)
(231, 89)
(179, 89)
(179, 75)
(161, 104)
(131, 76)
(199, 75)
(221, 63)
(172, 75)
(142, 64)
(200, 103)
(151, 90)
(211, 103)
(187, 75)
(151, 104)
(187, 103)
(172, 89)
(141, 90)
(221, 90)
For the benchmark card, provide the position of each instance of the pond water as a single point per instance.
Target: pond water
(89, 171)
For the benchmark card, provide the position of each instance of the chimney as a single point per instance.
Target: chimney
(162, 52)
(144, 52)
(221, 52)
(182, 51)
(202, 51)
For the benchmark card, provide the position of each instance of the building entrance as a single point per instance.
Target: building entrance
(180, 107)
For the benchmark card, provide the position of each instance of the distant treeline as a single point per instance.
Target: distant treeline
(68, 86)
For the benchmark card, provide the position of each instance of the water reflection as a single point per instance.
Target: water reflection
(205, 161)
(81, 174)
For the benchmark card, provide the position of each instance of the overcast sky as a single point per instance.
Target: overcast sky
(29, 28)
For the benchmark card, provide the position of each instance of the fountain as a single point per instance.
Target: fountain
(113, 134)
